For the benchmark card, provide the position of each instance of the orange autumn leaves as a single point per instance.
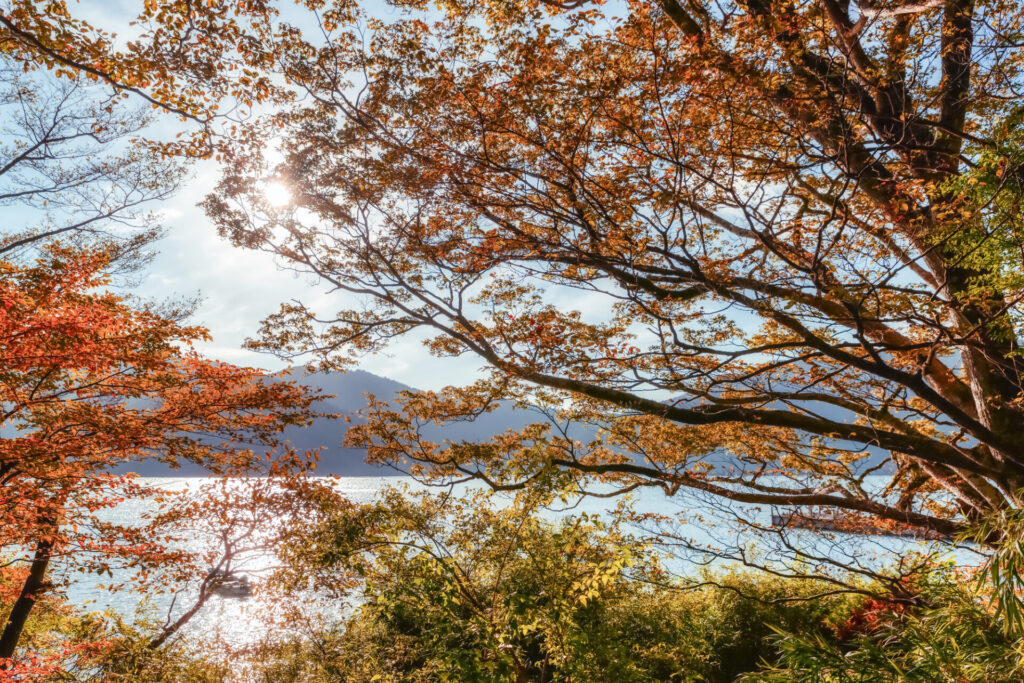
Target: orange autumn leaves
(727, 220)
(171, 55)
(91, 381)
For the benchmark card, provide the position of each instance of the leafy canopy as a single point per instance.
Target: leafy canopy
(768, 248)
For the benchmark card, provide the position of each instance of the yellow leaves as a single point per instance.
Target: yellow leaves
(592, 586)
(712, 226)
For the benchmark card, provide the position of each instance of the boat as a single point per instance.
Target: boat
(229, 584)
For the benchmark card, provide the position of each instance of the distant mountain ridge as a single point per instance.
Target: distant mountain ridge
(349, 389)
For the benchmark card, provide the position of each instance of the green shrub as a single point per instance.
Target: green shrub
(954, 636)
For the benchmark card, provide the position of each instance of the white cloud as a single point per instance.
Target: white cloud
(240, 287)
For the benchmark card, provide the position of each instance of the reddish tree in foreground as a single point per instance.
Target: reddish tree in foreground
(90, 380)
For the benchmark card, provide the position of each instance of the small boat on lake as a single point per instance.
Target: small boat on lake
(229, 584)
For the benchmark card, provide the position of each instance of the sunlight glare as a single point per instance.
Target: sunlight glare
(276, 194)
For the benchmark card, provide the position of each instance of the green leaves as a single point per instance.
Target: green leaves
(1002, 575)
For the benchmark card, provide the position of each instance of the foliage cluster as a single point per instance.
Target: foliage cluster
(953, 638)
(461, 589)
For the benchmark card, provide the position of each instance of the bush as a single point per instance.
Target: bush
(469, 592)
(954, 636)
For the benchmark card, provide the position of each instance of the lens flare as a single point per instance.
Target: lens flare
(276, 194)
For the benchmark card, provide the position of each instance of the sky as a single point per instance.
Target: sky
(239, 287)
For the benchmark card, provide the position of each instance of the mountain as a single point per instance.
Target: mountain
(348, 389)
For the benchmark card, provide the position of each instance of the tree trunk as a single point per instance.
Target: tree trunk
(29, 593)
(171, 629)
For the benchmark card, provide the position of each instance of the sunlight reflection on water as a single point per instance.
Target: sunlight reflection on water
(239, 621)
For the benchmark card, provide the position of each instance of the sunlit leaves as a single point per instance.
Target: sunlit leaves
(90, 383)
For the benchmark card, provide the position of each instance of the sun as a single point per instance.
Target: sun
(276, 194)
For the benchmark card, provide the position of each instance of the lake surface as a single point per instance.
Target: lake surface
(242, 621)
(238, 621)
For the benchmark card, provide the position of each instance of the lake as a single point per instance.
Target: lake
(242, 621)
